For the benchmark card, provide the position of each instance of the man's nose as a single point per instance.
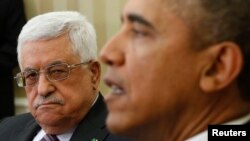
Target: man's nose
(112, 53)
(44, 85)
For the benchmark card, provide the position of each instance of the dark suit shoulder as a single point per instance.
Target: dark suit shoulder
(14, 120)
(15, 124)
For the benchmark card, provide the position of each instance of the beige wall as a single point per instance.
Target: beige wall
(104, 14)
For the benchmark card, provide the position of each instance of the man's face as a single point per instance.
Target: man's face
(152, 68)
(63, 102)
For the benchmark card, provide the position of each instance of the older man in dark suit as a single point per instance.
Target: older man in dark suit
(60, 74)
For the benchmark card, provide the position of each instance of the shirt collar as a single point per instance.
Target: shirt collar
(62, 137)
(203, 135)
(95, 100)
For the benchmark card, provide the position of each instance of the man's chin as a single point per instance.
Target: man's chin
(48, 118)
(47, 121)
(117, 125)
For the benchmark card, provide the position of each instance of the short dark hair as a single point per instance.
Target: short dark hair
(214, 21)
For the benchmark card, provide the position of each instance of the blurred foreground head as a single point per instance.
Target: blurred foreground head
(176, 66)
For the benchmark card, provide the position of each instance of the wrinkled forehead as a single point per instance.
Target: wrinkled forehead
(42, 52)
(23, 45)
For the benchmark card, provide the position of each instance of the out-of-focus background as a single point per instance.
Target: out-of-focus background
(104, 14)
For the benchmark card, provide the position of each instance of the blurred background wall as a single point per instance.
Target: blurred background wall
(103, 14)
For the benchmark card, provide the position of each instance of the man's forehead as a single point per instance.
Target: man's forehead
(149, 6)
(41, 66)
(44, 57)
(163, 11)
(156, 14)
(144, 6)
(149, 10)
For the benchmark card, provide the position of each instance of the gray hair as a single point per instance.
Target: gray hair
(54, 24)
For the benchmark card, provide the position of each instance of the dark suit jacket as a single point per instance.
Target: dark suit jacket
(24, 127)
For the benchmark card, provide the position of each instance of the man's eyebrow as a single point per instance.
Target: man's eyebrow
(49, 64)
(55, 62)
(139, 19)
(29, 69)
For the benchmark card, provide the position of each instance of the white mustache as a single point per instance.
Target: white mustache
(51, 98)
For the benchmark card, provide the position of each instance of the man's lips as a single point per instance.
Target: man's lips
(115, 87)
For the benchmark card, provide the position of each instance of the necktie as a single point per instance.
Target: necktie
(48, 137)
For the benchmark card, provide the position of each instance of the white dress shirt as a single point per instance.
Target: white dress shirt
(63, 137)
(204, 135)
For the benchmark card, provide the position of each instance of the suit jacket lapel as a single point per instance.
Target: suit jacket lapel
(93, 125)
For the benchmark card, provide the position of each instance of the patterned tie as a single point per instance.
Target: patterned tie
(48, 137)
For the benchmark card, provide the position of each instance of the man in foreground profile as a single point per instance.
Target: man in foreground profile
(177, 66)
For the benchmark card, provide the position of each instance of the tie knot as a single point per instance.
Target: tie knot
(48, 137)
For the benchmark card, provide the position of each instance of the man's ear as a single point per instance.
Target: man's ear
(225, 64)
(95, 69)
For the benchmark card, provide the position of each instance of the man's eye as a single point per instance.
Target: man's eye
(139, 33)
(57, 71)
(30, 75)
